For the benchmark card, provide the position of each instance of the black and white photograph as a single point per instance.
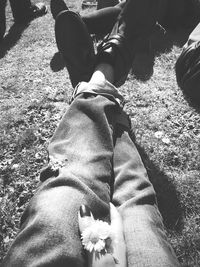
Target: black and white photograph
(99, 133)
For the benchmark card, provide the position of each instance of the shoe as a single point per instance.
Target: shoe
(38, 10)
(57, 6)
(116, 51)
(76, 46)
(137, 19)
(34, 11)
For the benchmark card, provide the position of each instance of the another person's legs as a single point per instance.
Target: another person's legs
(136, 21)
(98, 21)
(24, 10)
(102, 21)
(188, 68)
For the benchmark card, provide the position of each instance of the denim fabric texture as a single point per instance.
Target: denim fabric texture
(92, 161)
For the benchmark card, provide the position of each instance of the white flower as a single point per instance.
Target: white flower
(158, 134)
(166, 140)
(98, 237)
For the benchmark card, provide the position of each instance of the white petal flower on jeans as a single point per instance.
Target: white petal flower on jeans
(98, 237)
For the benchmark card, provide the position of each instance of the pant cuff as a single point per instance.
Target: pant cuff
(108, 90)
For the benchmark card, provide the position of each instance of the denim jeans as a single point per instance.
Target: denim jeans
(92, 161)
(101, 21)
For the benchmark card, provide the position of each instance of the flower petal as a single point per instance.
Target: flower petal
(98, 237)
(99, 246)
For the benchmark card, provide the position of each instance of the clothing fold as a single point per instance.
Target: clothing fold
(90, 155)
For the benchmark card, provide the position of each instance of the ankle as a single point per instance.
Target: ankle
(103, 72)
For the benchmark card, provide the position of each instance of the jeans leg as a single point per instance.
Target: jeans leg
(20, 8)
(134, 195)
(79, 172)
(102, 21)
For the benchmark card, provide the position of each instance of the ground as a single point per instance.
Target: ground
(34, 93)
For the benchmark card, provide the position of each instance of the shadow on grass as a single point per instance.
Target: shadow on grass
(188, 78)
(12, 37)
(193, 99)
(167, 196)
(57, 62)
(142, 66)
(159, 42)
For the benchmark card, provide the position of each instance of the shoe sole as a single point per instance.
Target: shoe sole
(76, 46)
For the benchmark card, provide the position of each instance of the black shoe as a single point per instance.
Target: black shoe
(57, 6)
(34, 11)
(38, 10)
(116, 51)
(137, 19)
(76, 45)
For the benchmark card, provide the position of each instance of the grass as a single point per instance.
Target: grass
(34, 92)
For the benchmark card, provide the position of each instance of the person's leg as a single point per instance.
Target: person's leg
(187, 66)
(102, 21)
(76, 46)
(79, 172)
(57, 6)
(24, 10)
(134, 24)
(2, 19)
(98, 21)
(136, 20)
(134, 195)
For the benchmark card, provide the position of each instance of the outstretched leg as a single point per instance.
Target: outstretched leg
(98, 21)
(24, 10)
(79, 172)
(144, 232)
(102, 21)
